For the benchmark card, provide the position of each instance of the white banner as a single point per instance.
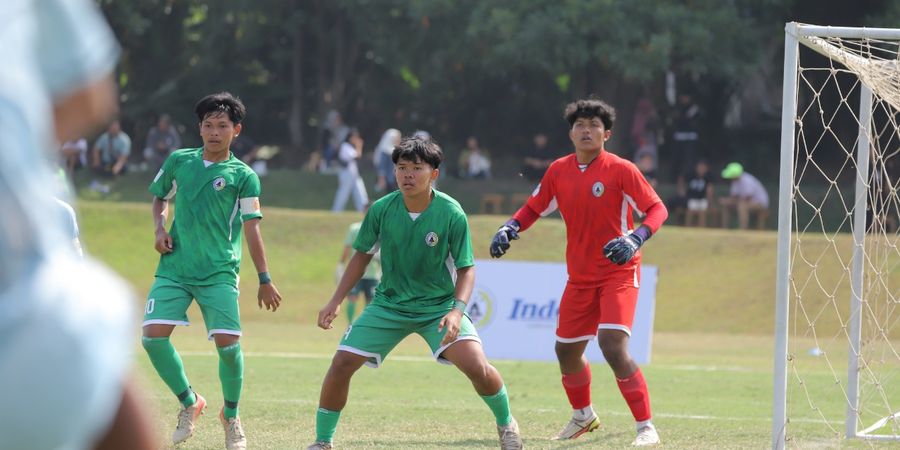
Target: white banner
(515, 305)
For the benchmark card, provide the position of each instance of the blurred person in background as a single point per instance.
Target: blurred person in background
(366, 285)
(74, 154)
(162, 140)
(111, 150)
(350, 183)
(382, 160)
(747, 196)
(538, 160)
(64, 322)
(699, 195)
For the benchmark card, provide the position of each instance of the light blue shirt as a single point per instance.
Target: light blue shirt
(64, 323)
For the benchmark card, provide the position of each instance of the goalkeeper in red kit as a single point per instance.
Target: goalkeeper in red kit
(595, 192)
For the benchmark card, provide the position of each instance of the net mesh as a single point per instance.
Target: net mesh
(829, 128)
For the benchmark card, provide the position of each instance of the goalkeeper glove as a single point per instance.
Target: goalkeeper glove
(508, 232)
(620, 250)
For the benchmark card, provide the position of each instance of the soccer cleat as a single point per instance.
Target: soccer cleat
(234, 432)
(509, 436)
(319, 445)
(646, 436)
(187, 419)
(576, 428)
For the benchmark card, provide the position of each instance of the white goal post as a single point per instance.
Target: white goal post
(837, 311)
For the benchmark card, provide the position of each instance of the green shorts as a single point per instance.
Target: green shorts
(378, 330)
(168, 301)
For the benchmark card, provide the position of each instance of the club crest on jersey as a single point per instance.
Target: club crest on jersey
(219, 184)
(597, 189)
(431, 239)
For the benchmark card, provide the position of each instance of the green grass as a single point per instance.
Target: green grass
(710, 378)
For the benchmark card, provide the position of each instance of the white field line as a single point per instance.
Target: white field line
(297, 355)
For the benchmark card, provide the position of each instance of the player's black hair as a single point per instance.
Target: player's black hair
(589, 108)
(221, 102)
(417, 149)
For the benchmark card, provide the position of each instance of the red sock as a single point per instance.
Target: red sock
(578, 387)
(634, 390)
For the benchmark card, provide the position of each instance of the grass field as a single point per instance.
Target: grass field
(710, 378)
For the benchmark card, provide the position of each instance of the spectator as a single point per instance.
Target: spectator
(162, 140)
(111, 150)
(349, 181)
(335, 134)
(384, 166)
(747, 195)
(645, 128)
(699, 195)
(74, 154)
(537, 162)
(473, 161)
(685, 135)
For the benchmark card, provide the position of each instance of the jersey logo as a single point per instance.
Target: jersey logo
(597, 189)
(219, 184)
(431, 239)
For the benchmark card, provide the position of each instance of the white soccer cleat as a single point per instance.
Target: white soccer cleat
(187, 420)
(646, 436)
(509, 436)
(576, 428)
(319, 445)
(234, 432)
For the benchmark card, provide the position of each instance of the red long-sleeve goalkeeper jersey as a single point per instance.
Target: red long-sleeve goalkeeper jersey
(596, 206)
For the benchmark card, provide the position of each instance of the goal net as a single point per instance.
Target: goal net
(837, 350)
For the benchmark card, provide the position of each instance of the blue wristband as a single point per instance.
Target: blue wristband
(264, 278)
(460, 305)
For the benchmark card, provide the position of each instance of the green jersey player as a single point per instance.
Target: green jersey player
(427, 278)
(201, 256)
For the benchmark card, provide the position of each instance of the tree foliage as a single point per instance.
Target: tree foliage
(499, 69)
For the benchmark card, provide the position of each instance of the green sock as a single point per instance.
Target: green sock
(231, 374)
(170, 368)
(351, 308)
(326, 424)
(499, 404)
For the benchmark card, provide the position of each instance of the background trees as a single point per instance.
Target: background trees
(500, 70)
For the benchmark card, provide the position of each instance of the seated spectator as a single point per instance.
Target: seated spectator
(699, 195)
(473, 161)
(538, 160)
(74, 154)
(747, 195)
(111, 151)
(162, 140)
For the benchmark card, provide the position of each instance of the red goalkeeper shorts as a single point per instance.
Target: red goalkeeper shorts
(582, 311)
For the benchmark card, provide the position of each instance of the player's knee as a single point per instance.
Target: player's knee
(567, 352)
(343, 364)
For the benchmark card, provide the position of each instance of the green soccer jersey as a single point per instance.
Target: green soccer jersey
(419, 257)
(214, 199)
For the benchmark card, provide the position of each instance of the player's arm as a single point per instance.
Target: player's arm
(465, 282)
(267, 294)
(541, 203)
(622, 249)
(164, 242)
(352, 274)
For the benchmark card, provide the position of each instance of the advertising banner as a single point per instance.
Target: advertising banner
(515, 305)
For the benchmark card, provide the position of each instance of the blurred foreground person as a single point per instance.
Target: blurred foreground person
(65, 338)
